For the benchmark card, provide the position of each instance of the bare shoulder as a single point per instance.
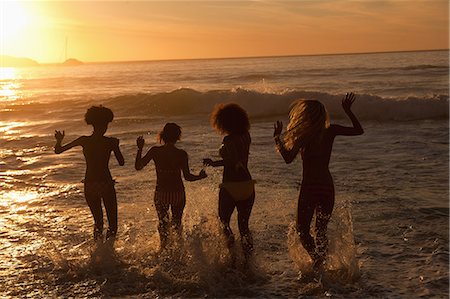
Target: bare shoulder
(333, 129)
(154, 150)
(182, 153)
(226, 139)
(82, 140)
(113, 140)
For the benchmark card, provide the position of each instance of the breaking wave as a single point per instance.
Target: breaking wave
(262, 104)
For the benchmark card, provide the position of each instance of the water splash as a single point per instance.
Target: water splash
(341, 271)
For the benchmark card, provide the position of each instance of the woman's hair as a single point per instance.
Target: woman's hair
(308, 120)
(170, 133)
(230, 119)
(98, 115)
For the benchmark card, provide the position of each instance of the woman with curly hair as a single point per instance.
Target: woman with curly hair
(98, 182)
(310, 133)
(170, 161)
(237, 188)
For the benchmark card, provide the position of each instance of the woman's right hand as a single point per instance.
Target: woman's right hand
(277, 128)
(59, 136)
(140, 142)
(347, 101)
(207, 162)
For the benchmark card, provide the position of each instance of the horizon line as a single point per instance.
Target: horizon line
(243, 57)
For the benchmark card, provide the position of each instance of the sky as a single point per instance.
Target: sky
(154, 30)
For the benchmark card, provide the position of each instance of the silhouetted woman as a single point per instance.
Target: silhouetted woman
(310, 133)
(98, 182)
(169, 163)
(237, 188)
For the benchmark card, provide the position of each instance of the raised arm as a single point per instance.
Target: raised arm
(288, 155)
(59, 148)
(118, 153)
(142, 161)
(356, 129)
(188, 176)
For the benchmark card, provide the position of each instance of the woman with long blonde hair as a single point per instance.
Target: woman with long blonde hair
(310, 133)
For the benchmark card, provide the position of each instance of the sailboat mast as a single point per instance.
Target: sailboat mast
(65, 50)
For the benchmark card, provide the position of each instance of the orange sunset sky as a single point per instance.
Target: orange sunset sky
(148, 30)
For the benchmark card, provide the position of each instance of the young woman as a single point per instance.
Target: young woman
(169, 163)
(310, 133)
(237, 188)
(98, 182)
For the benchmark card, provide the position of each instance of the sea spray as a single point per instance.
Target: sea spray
(342, 263)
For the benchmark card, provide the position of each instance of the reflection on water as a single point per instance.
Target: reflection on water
(8, 73)
(9, 87)
(11, 127)
(7, 198)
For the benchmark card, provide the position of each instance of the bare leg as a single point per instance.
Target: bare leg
(305, 212)
(244, 210)
(324, 210)
(110, 202)
(177, 208)
(226, 208)
(162, 209)
(94, 202)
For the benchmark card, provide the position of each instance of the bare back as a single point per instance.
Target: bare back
(97, 151)
(169, 162)
(235, 151)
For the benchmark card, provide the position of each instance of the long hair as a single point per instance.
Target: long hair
(308, 120)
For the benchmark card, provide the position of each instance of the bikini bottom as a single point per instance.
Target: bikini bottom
(239, 190)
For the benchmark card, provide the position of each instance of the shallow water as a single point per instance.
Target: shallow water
(388, 233)
(387, 238)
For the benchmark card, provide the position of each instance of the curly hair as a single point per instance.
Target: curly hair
(170, 133)
(308, 121)
(230, 119)
(98, 115)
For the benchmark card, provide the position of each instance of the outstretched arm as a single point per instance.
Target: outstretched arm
(188, 176)
(59, 148)
(118, 153)
(357, 129)
(209, 162)
(142, 161)
(288, 155)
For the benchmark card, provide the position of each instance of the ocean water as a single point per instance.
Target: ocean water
(389, 233)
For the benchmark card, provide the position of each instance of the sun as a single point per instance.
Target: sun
(14, 18)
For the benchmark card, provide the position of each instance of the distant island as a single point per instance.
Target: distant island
(72, 62)
(10, 61)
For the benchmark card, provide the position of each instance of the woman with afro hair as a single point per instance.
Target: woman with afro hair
(237, 187)
(98, 182)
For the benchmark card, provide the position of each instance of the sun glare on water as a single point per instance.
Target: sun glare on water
(11, 197)
(8, 85)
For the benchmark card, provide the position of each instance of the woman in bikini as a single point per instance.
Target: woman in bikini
(237, 188)
(310, 133)
(98, 182)
(169, 163)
